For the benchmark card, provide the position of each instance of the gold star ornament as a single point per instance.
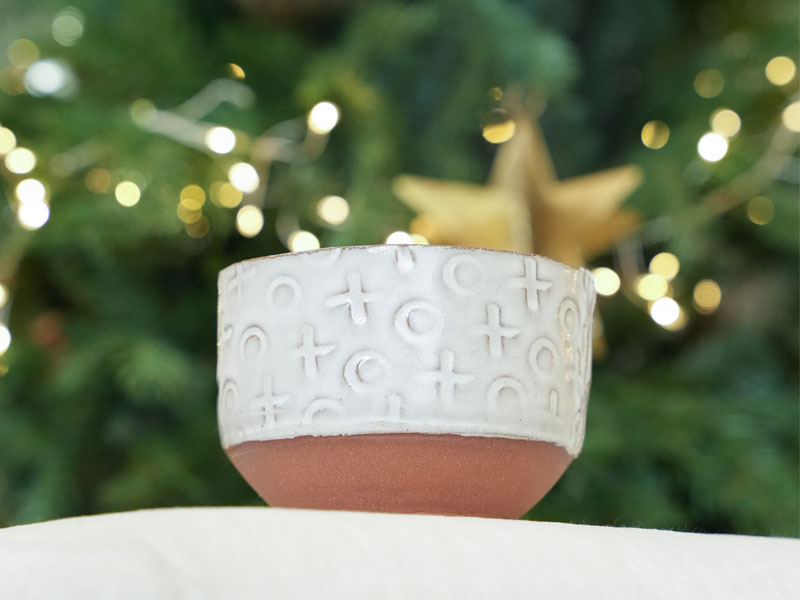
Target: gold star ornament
(524, 207)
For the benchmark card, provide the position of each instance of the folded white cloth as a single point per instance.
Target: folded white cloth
(250, 553)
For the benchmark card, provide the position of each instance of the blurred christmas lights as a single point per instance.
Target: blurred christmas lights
(399, 237)
(98, 181)
(725, 122)
(712, 147)
(236, 71)
(22, 53)
(30, 190)
(666, 265)
(333, 209)
(606, 281)
(665, 311)
(780, 70)
(760, 210)
(20, 161)
(302, 240)
(5, 338)
(67, 26)
(192, 197)
(225, 194)
(651, 286)
(220, 140)
(244, 177)
(8, 141)
(709, 83)
(33, 214)
(655, 134)
(249, 221)
(49, 78)
(323, 117)
(707, 296)
(127, 193)
(790, 117)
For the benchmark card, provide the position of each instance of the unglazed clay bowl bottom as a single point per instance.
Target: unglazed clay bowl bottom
(403, 473)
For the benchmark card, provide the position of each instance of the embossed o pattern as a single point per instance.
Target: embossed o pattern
(502, 383)
(472, 277)
(230, 397)
(543, 367)
(283, 293)
(569, 317)
(419, 321)
(321, 405)
(253, 336)
(366, 370)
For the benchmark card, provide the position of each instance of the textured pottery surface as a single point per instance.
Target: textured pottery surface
(425, 379)
(404, 339)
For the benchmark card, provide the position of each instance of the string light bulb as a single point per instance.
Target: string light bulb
(712, 147)
(333, 210)
(303, 240)
(67, 26)
(244, 177)
(236, 71)
(20, 161)
(30, 190)
(33, 214)
(666, 265)
(127, 193)
(220, 140)
(399, 237)
(707, 296)
(726, 122)
(790, 117)
(249, 221)
(5, 338)
(323, 117)
(606, 281)
(665, 311)
(655, 135)
(780, 70)
(4, 294)
(651, 286)
(8, 141)
(709, 83)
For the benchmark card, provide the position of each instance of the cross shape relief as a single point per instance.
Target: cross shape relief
(309, 351)
(531, 283)
(355, 297)
(494, 330)
(269, 402)
(447, 378)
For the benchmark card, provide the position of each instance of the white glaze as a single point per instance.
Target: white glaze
(397, 339)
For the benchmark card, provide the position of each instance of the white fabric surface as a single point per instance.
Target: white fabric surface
(251, 553)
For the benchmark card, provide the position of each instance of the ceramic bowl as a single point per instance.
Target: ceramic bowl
(423, 379)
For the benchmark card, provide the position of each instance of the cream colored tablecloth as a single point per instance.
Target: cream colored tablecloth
(250, 553)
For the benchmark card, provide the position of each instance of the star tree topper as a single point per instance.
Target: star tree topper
(524, 207)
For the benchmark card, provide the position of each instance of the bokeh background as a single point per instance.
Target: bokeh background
(146, 144)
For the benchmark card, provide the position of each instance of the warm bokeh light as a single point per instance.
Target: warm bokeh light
(665, 311)
(333, 209)
(187, 215)
(143, 111)
(198, 228)
(98, 181)
(303, 240)
(249, 221)
(220, 140)
(127, 193)
(399, 237)
(419, 239)
(709, 83)
(323, 117)
(680, 322)
(497, 133)
(244, 177)
(193, 197)
(224, 194)
(4, 294)
(760, 210)
(30, 190)
(655, 134)
(20, 161)
(712, 147)
(33, 214)
(790, 117)
(67, 26)
(48, 78)
(725, 122)
(651, 286)
(424, 226)
(22, 53)
(8, 141)
(606, 281)
(706, 296)
(665, 264)
(236, 71)
(780, 70)
(5, 338)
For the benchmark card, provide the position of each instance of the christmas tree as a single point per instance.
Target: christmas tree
(146, 144)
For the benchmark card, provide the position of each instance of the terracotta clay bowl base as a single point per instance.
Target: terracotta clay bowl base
(403, 473)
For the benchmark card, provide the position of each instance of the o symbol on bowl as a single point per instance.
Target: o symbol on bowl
(283, 293)
(568, 316)
(367, 371)
(418, 321)
(253, 336)
(544, 367)
(501, 383)
(464, 275)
